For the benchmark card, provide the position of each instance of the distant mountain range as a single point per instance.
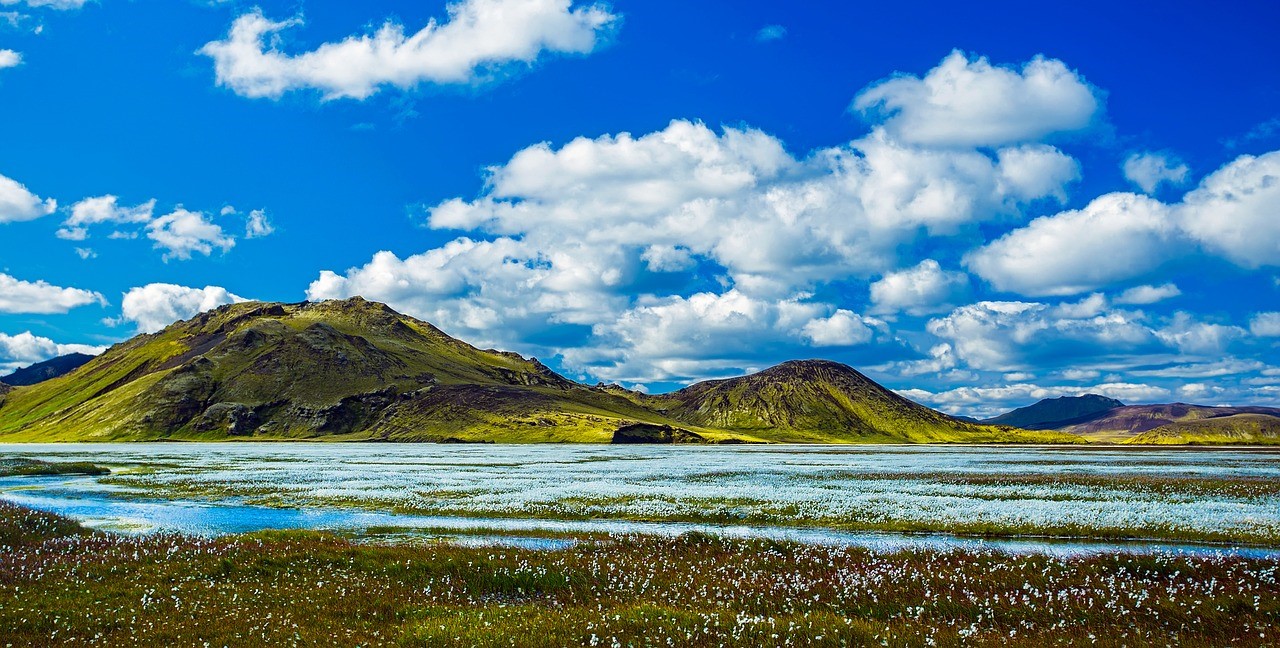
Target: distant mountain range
(42, 371)
(354, 370)
(1101, 419)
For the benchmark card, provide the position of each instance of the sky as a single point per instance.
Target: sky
(977, 205)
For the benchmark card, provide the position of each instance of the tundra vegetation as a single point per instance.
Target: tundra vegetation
(61, 583)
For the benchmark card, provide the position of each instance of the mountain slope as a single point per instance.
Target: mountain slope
(816, 400)
(42, 371)
(357, 370)
(1251, 429)
(1123, 424)
(1052, 413)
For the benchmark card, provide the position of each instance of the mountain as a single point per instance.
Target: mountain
(359, 371)
(1133, 423)
(42, 371)
(1053, 413)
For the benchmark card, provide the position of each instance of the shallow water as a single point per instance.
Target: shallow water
(214, 488)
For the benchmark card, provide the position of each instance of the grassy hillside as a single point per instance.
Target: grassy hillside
(1123, 424)
(356, 370)
(1251, 429)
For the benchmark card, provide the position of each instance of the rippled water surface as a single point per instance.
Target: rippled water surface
(232, 487)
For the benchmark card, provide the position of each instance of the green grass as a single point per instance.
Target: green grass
(17, 467)
(62, 585)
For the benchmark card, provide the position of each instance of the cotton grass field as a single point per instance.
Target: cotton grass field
(61, 584)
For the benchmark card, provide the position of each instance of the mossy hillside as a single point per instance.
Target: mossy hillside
(1247, 429)
(1119, 425)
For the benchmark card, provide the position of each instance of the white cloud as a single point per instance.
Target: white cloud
(18, 204)
(479, 36)
(1149, 170)
(925, 288)
(17, 296)
(1115, 237)
(1012, 336)
(740, 200)
(9, 58)
(771, 33)
(183, 233)
(1265, 324)
(155, 306)
(1148, 294)
(843, 328)
(60, 5)
(257, 225)
(23, 349)
(965, 102)
(1195, 337)
(86, 253)
(100, 210)
(1235, 211)
(588, 238)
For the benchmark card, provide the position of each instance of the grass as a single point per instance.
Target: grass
(21, 467)
(60, 584)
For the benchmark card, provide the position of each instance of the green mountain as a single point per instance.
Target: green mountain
(42, 371)
(359, 371)
(1251, 429)
(1053, 413)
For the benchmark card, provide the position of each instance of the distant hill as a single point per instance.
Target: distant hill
(1253, 429)
(359, 371)
(1053, 413)
(1126, 424)
(42, 371)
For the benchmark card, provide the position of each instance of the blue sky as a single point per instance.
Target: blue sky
(978, 206)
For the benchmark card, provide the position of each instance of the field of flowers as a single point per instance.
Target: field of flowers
(61, 584)
(1187, 495)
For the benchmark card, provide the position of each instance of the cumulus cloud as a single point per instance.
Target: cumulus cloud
(183, 233)
(923, 289)
(23, 349)
(970, 102)
(1265, 324)
(155, 306)
(567, 246)
(1141, 295)
(1115, 237)
(478, 37)
(17, 296)
(1149, 170)
(100, 210)
(1194, 337)
(844, 328)
(19, 204)
(1013, 336)
(1235, 211)
(9, 58)
(1119, 236)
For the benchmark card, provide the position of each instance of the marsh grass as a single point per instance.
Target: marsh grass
(21, 467)
(62, 585)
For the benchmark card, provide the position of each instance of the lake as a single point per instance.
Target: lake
(884, 497)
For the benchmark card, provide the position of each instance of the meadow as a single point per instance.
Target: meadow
(61, 583)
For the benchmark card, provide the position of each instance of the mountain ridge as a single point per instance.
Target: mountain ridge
(360, 371)
(42, 371)
(1053, 413)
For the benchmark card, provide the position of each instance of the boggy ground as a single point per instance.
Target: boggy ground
(62, 584)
